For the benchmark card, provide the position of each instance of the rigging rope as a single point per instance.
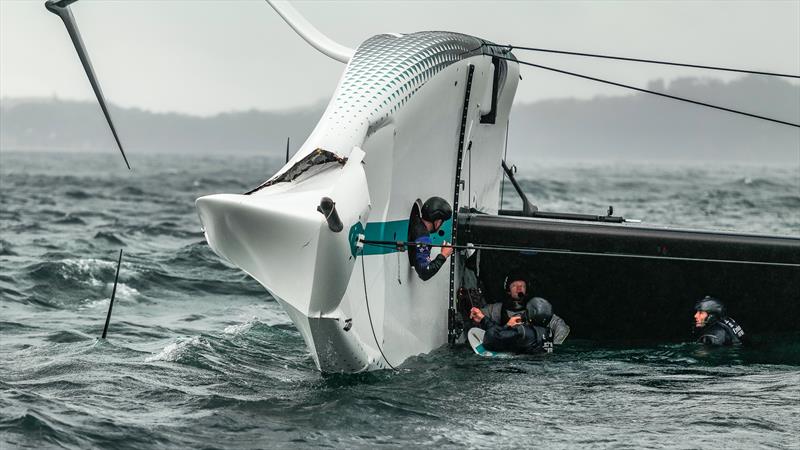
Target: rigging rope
(649, 61)
(560, 251)
(647, 91)
(369, 315)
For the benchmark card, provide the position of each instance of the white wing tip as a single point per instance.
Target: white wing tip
(310, 33)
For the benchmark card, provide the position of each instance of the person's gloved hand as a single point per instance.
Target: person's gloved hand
(447, 251)
(476, 314)
(514, 321)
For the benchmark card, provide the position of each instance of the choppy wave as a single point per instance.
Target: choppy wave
(109, 237)
(199, 355)
(6, 248)
(70, 219)
(175, 351)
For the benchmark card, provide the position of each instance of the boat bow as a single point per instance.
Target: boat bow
(280, 235)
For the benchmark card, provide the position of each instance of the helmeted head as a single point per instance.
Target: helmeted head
(436, 210)
(540, 311)
(708, 310)
(518, 286)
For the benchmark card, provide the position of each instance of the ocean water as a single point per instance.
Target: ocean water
(199, 355)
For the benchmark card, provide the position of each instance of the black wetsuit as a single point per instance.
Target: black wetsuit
(722, 332)
(520, 339)
(498, 313)
(421, 253)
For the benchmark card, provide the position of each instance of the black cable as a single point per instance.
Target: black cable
(563, 251)
(650, 61)
(661, 94)
(392, 246)
(369, 315)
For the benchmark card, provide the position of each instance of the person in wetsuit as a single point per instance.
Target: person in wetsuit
(519, 289)
(433, 213)
(712, 326)
(524, 333)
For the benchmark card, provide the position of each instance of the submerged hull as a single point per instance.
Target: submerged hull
(617, 281)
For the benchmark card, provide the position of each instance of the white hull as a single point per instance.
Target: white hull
(401, 100)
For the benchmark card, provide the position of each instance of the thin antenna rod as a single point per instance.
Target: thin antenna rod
(113, 294)
(61, 9)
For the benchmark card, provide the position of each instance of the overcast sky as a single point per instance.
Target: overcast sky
(205, 57)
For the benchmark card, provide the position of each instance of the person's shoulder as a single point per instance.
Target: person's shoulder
(418, 230)
(714, 334)
(716, 327)
(733, 329)
(733, 325)
(557, 320)
(493, 310)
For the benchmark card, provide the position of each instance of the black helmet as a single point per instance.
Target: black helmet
(517, 274)
(436, 208)
(712, 306)
(516, 304)
(540, 311)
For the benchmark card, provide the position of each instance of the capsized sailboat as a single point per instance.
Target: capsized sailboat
(425, 114)
(408, 111)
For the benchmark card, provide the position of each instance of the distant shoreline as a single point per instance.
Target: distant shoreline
(623, 128)
(526, 167)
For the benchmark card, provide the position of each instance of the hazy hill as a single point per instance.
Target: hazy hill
(630, 127)
(52, 124)
(646, 127)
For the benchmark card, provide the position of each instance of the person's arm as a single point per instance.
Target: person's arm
(498, 337)
(482, 319)
(478, 315)
(422, 263)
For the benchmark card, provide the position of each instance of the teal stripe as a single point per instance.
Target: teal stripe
(396, 230)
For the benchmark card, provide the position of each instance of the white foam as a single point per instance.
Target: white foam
(174, 351)
(242, 327)
(88, 303)
(124, 293)
(87, 270)
(83, 269)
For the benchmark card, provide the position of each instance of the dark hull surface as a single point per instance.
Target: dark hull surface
(642, 282)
